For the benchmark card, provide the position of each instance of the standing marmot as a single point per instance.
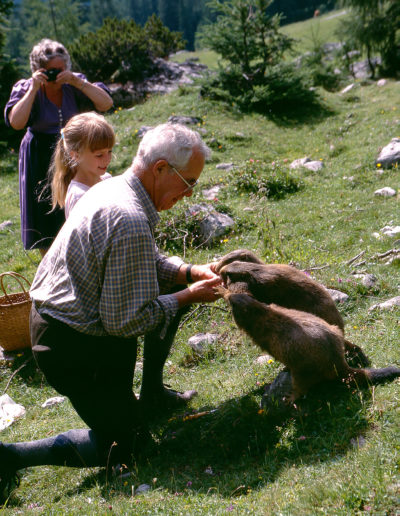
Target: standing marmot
(311, 348)
(286, 286)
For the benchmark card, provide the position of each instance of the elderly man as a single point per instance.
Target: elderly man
(101, 285)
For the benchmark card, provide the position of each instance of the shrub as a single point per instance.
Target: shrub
(281, 88)
(123, 50)
(264, 179)
(161, 40)
(9, 75)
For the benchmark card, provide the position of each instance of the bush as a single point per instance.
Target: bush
(281, 88)
(264, 179)
(122, 50)
(9, 74)
(162, 42)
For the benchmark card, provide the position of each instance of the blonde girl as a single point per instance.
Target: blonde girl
(80, 159)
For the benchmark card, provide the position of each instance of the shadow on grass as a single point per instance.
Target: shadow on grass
(301, 114)
(236, 447)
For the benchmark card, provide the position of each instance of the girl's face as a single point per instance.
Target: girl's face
(93, 164)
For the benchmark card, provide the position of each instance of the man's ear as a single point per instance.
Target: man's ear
(159, 166)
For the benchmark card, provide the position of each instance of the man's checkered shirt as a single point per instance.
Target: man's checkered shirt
(102, 274)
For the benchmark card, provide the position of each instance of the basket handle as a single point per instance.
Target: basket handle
(17, 278)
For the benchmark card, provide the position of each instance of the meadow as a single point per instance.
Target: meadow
(339, 454)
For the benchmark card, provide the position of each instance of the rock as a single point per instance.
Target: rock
(202, 340)
(212, 193)
(263, 359)
(185, 120)
(389, 155)
(143, 130)
(297, 163)
(348, 88)
(9, 411)
(164, 77)
(386, 305)
(391, 231)
(53, 401)
(358, 442)
(6, 356)
(368, 280)
(143, 488)
(224, 166)
(213, 224)
(337, 296)
(381, 82)
(5, 224)
(385, 192)
(362, 70)
(314, 165)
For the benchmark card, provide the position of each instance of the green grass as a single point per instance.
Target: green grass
(323, 28)
(307, 464)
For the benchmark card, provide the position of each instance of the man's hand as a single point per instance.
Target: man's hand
(203, 272)
(199, 292)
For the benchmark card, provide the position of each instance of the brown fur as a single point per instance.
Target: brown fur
(311, 348)
(243, 272)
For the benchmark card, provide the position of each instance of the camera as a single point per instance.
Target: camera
(52, 73)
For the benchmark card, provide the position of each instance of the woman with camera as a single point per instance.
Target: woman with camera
(44, 103)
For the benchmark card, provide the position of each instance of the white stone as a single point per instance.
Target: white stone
(201, 340)
(386, 305)
(337, 296)
(391, 231)
(9, 411)
(224, 166)
(389, 155)
(314, 165)
(297, 163)
(143, 488)
(348, 88)
(358, 442)
(211, 193)
(368, 280)
(381, 82)
(386, 191)
(213, 224)
(263, 359)
(53, 401)
(5, 224)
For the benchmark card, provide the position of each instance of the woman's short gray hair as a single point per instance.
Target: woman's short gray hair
(172, 142)
(46, 50)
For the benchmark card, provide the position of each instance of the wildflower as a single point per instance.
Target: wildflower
(270, 361)
(355, 327)
(189, 483)
(260, 411)
(378, 165)
(225, 240)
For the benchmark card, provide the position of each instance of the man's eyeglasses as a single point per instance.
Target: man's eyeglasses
(190, 185)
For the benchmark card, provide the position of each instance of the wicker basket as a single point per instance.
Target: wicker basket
(14, 315)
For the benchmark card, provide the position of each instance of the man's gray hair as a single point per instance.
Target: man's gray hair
(46, 50)
(173, 142)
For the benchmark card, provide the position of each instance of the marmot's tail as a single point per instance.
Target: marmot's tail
(364, 377)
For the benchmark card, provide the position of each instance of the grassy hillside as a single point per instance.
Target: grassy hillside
(340, 453)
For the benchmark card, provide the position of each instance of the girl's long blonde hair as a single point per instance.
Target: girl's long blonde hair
(85, 131)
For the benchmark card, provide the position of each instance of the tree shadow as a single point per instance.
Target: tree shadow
(293, 115)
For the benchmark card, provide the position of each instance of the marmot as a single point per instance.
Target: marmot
(243, 272)
(311, 348)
